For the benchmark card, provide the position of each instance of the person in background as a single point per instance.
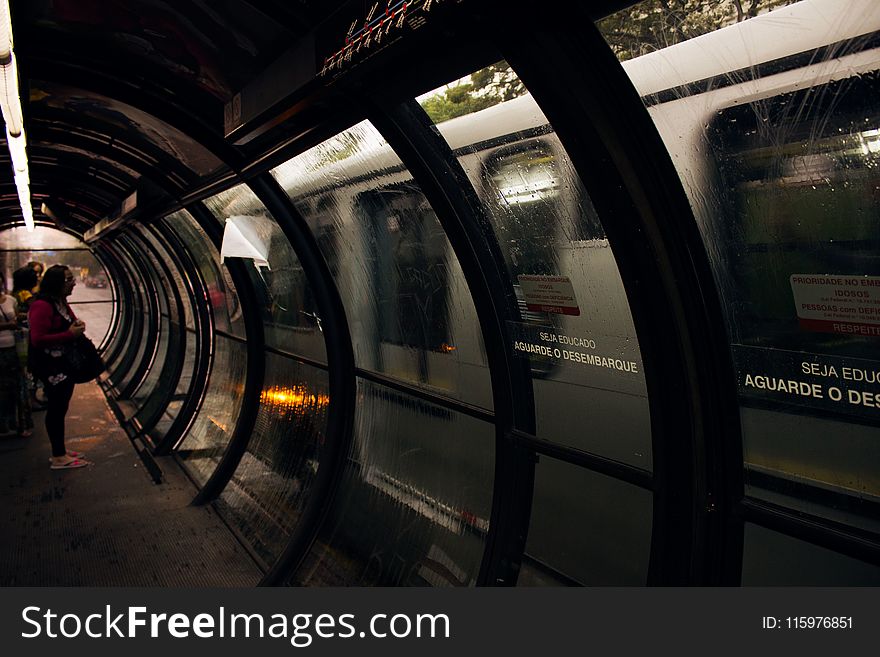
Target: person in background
(15, 410)
(24, 282)
(52, 325)
(38, 270)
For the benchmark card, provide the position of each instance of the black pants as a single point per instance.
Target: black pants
(58, 401)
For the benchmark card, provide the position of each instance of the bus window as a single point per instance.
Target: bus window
(408, 253)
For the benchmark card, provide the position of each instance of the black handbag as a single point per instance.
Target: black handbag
(77, 360)
(81, 361)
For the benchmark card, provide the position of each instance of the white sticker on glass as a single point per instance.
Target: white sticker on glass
(549, 294)
(837, 304)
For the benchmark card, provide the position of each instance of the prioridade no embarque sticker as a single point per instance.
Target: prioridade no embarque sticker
(549, 294)
(837, 303)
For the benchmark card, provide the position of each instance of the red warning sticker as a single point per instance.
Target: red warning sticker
(837, 304)
(549, 294)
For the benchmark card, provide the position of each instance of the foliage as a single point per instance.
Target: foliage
(645, 27)
(655, 24)
(336, 149)
(489, 86)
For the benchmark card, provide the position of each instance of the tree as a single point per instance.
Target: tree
(645, 27)
(655, 24)
(494, 84)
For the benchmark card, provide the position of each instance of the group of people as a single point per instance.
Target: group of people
(36, 322)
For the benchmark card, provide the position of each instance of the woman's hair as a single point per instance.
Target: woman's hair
(52, 284)
(24, 279)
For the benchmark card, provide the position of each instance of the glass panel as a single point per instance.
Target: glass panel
(135, 307)
(818, 468)
(162, 366)
(272, 484)
(173, 278)
(773, 125)
(410, 313)
(159, 360)
(772, 559)
(92, 295)
(175, 404)
(41, 239)
(289, 312)
(97, 317)
(657, 24)
(153, 394)
(220, 292)
(586, 529)
(144, 349)
(210, 432)
(126, 311)
(413, 505)
(574, 325)
(93, 283)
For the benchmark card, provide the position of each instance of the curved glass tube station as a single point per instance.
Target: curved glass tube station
(430, 296)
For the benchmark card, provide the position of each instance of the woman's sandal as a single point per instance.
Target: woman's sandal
(72, 454)
(69, 465)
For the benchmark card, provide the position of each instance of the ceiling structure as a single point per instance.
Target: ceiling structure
(129, 95)
(174, 99)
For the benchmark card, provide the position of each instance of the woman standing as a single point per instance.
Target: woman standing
(15, 411)
(52, 326)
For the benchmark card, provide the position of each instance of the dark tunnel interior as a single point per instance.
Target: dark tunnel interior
(462, 293)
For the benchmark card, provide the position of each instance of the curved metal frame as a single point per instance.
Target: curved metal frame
(151, 321)
(172, 368)
(634, 186)
(114, 347)
(254, 376)
(105, 261)
(204, 337)
(340, 362)
(124, 357)
(430, 160)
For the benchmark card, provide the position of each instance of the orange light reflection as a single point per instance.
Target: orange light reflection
(293, 398)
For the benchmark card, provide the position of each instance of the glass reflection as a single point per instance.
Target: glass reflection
(414, 502)
(212, 428)
(772, 559)
(410, 313)
(772, 123)
(169, 414)
(573, 325)
(586, 529)
(220, 290)
(272, 484)
(292, 321)
(92, 295)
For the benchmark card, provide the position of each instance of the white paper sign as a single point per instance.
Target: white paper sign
(837, 304)
(549, 294)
